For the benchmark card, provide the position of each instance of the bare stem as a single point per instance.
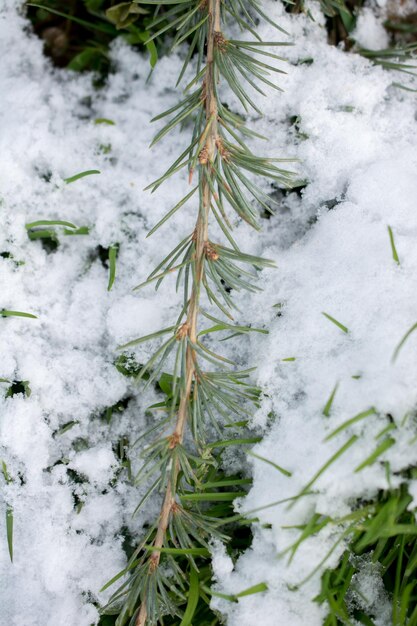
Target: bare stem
(190, 326)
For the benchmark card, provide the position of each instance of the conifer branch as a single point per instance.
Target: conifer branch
(200, 401)
(189, 327)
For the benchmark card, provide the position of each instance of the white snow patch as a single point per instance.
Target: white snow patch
(369, 31)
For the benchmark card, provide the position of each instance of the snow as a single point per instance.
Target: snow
(356, 150)
(97, 464)
(369, 591)
(63, 555)
(358, 153)
(369, 31)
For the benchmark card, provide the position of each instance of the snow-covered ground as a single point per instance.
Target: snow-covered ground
(355, 137)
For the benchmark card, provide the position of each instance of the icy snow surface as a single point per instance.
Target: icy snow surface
(369, 31)
(355, 138)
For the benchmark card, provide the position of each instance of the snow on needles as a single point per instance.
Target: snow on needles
(354, 135)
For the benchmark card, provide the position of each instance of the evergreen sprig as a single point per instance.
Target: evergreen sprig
(206, 390)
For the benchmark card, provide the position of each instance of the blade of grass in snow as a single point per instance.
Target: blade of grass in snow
(332, 459)
(259, 588)
(403, 340)
(72, 179)
(349, 422)
(65, 428)
(325, 558)
(9, 530)
(9, 513)
(7, 313)
(328, 405)
(5, 473)
(383, 447)
(338, 324)
(82, 230)
(113, 250)
(104, 120)
(385, 430)
(34, 235)
(275, 465)
(50, 223)
(393, 248)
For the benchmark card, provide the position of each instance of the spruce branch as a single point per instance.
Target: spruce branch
(189, 327)
(184, 466)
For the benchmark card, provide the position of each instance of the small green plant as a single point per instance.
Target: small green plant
(400, 58)
(46, 231)
(382, 535)
(78, 34)
(378, 535)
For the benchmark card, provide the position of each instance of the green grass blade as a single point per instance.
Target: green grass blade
(153, 53)
(9, 530)
(72, 179)
(338, 324)
(104, 120)
(7, 313)
(50, 223)
(34, 235)
(259, 588)
(5, 473)
(393, 248)
(82, 230)
(277, 467)
(383, 447)
(113, 250)
(328, 463)
(193, 596)
(328, 405)
(403, 340)
(349, 422)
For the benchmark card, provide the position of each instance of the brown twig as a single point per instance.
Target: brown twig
(190, 326)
